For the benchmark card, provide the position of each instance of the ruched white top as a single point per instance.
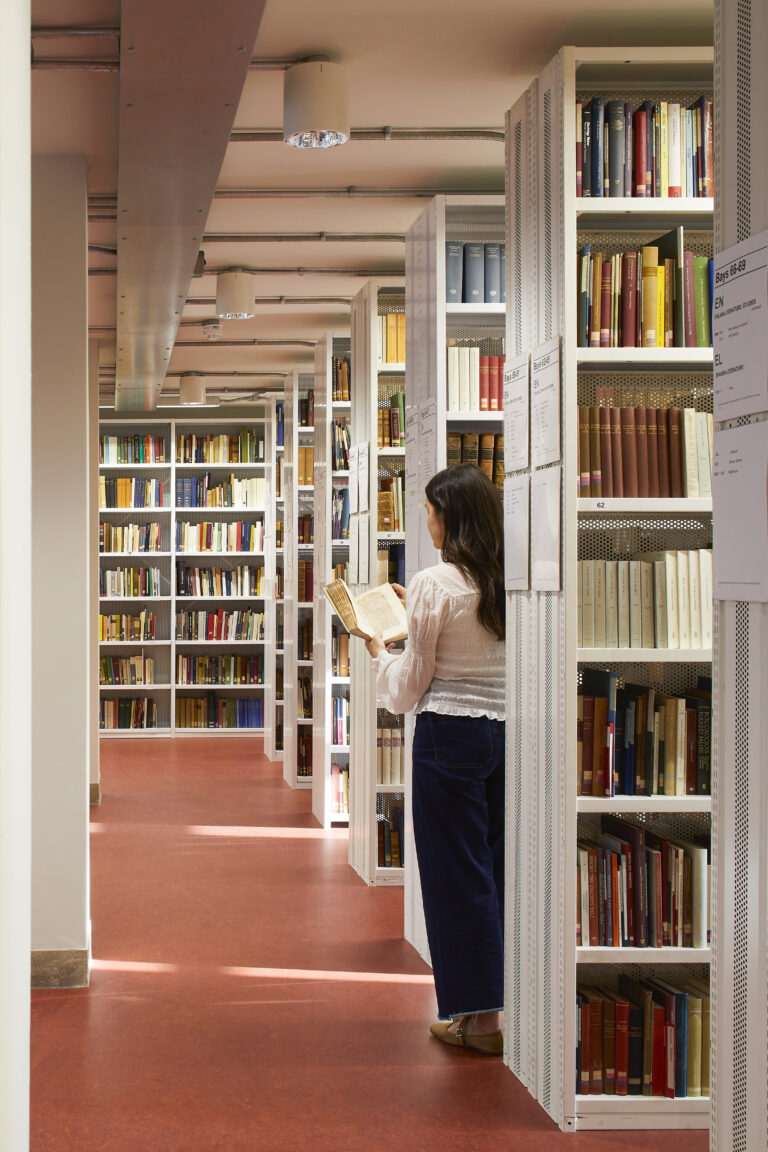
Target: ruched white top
(451, 663)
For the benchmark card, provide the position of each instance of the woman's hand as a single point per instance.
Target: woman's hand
(400, 593)
(376, 645)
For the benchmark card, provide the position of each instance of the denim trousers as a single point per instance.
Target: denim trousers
(458, 828)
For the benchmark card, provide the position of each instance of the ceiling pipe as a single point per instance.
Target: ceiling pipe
(51, 65)
(347, 193)
(210, 301)
(303, 237)
(273, 135)
(256, 342)
(67, 31)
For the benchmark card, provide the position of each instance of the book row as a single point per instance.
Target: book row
(246, 447)
(307, 410)
(340, 789)
(244, 580)
(638, 889)
(644, 453)
(279, 477)
(304, 645)
(123, 627)
(390, 421)
(390, 838)
(305, 695)
(340, 721)
(644, 298)
(636, 741)
(220, 625)
(474, 381)
(305, 582)
(130, 537)
(138, 669)
(280, 423)
(340, 378)
(125, 582)
(279, 583)
(674, 900)
(224, 668)
(220, 536)
(340, 444)
(659, 600)
(130, 492)
(304, 754)
(206, 492)
(486, 449)
(648, 1037)
(339, 651)
(389, 755)
(659, 148)
(279, 534)
(340, 513)
(391, 329)
(390, 564)
(213, 711)
(475, 273)
(127, 712)
(391, 504)
(305, 465)
(305, 528)
(141, 448)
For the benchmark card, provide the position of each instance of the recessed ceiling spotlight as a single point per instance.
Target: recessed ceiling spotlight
(235, 295)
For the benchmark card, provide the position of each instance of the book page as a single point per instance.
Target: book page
(379, 610)
(341, 598)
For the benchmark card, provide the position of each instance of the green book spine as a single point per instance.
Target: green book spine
(701, 301)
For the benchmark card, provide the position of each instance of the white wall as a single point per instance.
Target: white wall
(60, 554)
(15, 570)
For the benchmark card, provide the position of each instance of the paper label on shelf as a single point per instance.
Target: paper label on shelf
(516, 413)
(545, 530)
(354, 536)
(517, 532)
(740, 513)
(362, 477)
(740, 329)
(545, 404)
(353, 504)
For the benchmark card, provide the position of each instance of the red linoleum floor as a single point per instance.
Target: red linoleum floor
(249, 992)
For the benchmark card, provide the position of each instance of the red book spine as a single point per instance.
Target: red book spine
(493, 383)
(641, 441)
(605, 304)
(606, 454)
(675, 453)
(652, 428)
(629, 452)
(617, 456)
(484, 384)
(662, 432)
(639, 134)
(629, 300)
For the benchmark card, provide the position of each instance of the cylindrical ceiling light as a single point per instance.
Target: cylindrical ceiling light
(315, 111)
(235, 295)
(192, 388)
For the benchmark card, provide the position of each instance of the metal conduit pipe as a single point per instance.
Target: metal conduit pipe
(272, 135)
(252, 343)
(302, 237)
(210, 301)
(77, 65)
(109, 203)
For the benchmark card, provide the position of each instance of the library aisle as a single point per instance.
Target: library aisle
(249, 991)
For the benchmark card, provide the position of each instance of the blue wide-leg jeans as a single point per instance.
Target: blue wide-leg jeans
(458, 827)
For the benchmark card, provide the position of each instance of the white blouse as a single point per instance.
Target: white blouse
(451, 663)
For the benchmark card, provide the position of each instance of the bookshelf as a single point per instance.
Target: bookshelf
(330, 690)
(299, 558)
(434, 324)
(378, 375)
(202, 583)
(549, 822)
(275, 622)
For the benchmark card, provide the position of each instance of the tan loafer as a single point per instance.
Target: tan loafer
(491, 1044)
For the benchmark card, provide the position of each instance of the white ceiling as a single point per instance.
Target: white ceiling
(410, 63)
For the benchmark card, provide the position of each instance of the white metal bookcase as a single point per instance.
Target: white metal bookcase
(327, 553)
(369, 374)
(273, 649)
(544, 812)
(429, 321)
(297, 499)
(740, 738)
(167, 648)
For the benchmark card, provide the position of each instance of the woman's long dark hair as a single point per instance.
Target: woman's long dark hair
(470, 506)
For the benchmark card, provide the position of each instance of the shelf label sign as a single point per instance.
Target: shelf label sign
(545, 404)
(740, 329)
(516, 413)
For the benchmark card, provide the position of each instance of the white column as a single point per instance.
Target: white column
(93, 552)
(60, 555)
(15, 576)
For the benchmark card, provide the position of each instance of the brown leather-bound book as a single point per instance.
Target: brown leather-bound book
(662, 432)
(676, 453)
(595, 463)
(629, 452)
(585, 472)
(629, 300)
(470, 448)
(606, 454)
(651, 424)
(606, 284)
(641, 441)
(486, 453)
(617, 455)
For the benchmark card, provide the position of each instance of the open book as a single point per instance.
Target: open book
(377, 610)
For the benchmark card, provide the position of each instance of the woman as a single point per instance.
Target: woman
(452, 674)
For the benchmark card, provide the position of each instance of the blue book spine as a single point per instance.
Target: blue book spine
(474, 273)
(597, 106)
(454, 265)
(628, 148)
(492, 273)
(503, 273)
(586, 151)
